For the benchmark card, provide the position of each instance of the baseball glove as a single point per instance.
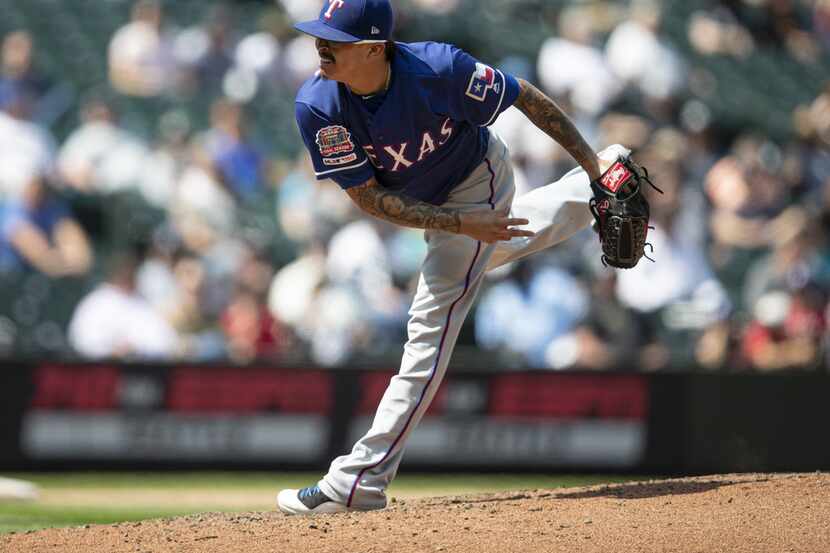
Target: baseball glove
(622, 213)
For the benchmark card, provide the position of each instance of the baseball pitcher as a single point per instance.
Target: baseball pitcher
(403, 129)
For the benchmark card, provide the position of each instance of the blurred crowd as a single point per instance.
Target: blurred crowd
(207, 237)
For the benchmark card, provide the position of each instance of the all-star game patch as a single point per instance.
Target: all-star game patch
(334, 140)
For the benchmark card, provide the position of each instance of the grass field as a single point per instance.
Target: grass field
(76, 499)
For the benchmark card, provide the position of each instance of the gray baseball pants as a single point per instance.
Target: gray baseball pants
(451, 276)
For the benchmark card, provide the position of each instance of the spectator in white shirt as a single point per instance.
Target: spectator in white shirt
(201, 209)
(638, 56)
(571, 67)
(114, 322)
(26, 150)
(100, 157)
(140, 55)
(294, 286)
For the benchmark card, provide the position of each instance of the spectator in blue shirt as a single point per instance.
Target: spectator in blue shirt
(237, 161)
(38, 233)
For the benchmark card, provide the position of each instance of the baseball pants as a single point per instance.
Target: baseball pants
(450, 278)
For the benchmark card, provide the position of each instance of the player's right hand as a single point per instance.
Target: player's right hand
(492, 226)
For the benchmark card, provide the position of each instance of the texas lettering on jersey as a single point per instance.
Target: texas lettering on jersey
(425, 138)
(403, 157)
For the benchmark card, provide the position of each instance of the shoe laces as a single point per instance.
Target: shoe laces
(312, 497)
(309, 492)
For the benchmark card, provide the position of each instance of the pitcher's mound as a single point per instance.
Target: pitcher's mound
(752, 513)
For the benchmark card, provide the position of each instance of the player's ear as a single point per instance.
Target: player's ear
(376, 50)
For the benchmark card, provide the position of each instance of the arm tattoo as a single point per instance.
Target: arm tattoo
(545, 114)
(403, 210)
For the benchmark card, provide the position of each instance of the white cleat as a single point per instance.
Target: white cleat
(308, 501)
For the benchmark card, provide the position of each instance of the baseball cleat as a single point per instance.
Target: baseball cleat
(308, 501)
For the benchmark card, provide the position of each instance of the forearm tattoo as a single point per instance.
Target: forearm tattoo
(403, 210)
(545, 114)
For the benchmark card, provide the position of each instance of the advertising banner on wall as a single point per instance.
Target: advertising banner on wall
(55, 416)
(525, 420)
(177, 415)
(234, 416)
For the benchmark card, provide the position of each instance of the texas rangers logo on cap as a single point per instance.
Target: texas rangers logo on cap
(333, 5)
(355, 21)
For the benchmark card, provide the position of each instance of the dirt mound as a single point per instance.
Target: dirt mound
(733, 513)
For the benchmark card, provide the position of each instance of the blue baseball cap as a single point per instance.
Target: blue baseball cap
(364, 21)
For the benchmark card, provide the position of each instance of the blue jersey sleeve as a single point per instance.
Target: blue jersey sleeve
(479, 93)
(332, 148)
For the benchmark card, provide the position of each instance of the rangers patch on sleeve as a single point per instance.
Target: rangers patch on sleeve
(334, 140)
(483, 79)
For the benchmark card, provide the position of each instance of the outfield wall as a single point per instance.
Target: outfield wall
(57, 416)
